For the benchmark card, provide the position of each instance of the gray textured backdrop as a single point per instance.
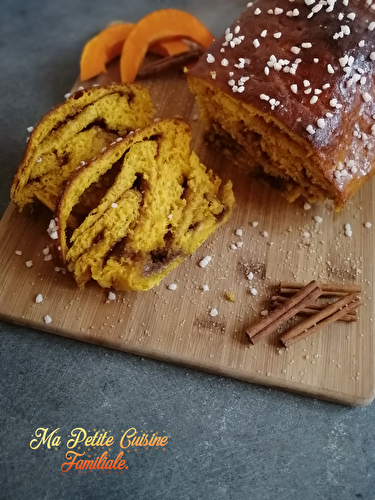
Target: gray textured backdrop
(227, 439)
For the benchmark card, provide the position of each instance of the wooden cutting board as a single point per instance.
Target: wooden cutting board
(335, 364)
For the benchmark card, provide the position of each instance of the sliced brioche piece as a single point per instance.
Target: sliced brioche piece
(75, 132)
(159, 207)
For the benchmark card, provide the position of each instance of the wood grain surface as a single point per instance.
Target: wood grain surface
(287, 244)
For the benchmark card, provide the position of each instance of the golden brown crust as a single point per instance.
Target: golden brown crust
(309, 67)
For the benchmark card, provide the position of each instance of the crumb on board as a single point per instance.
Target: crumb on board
(230, 296)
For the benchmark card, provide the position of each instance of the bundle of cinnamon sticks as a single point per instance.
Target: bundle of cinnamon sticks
(296, 298)
(169, 62)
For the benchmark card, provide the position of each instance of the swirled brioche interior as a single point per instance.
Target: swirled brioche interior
(158, 205)
(72, 134)
(289, 91)
(257, 144)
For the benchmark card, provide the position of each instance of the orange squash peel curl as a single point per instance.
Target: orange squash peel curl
(161, 25)
(103, 48)
(162, 32)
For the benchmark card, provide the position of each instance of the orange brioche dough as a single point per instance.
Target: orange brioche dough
(158, 206)
(289, 90)
(73, 133)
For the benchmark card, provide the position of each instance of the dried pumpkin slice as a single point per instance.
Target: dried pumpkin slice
(169, 48)
(161, 25)
(73, 133)
(108, 44)
(101, 49)
(160, 206)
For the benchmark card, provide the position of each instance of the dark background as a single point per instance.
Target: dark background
(227, 439)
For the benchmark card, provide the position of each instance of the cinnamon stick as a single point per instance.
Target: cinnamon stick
(170, 62)
(326, 316)
(311, 308)
(328, 290)
(278, 316)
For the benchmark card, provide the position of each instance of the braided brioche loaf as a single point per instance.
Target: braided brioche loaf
(158, 206)
(289, 91)
(73, 133)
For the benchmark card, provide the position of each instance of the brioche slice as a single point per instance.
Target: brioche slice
(159, 206)
(75, 132)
